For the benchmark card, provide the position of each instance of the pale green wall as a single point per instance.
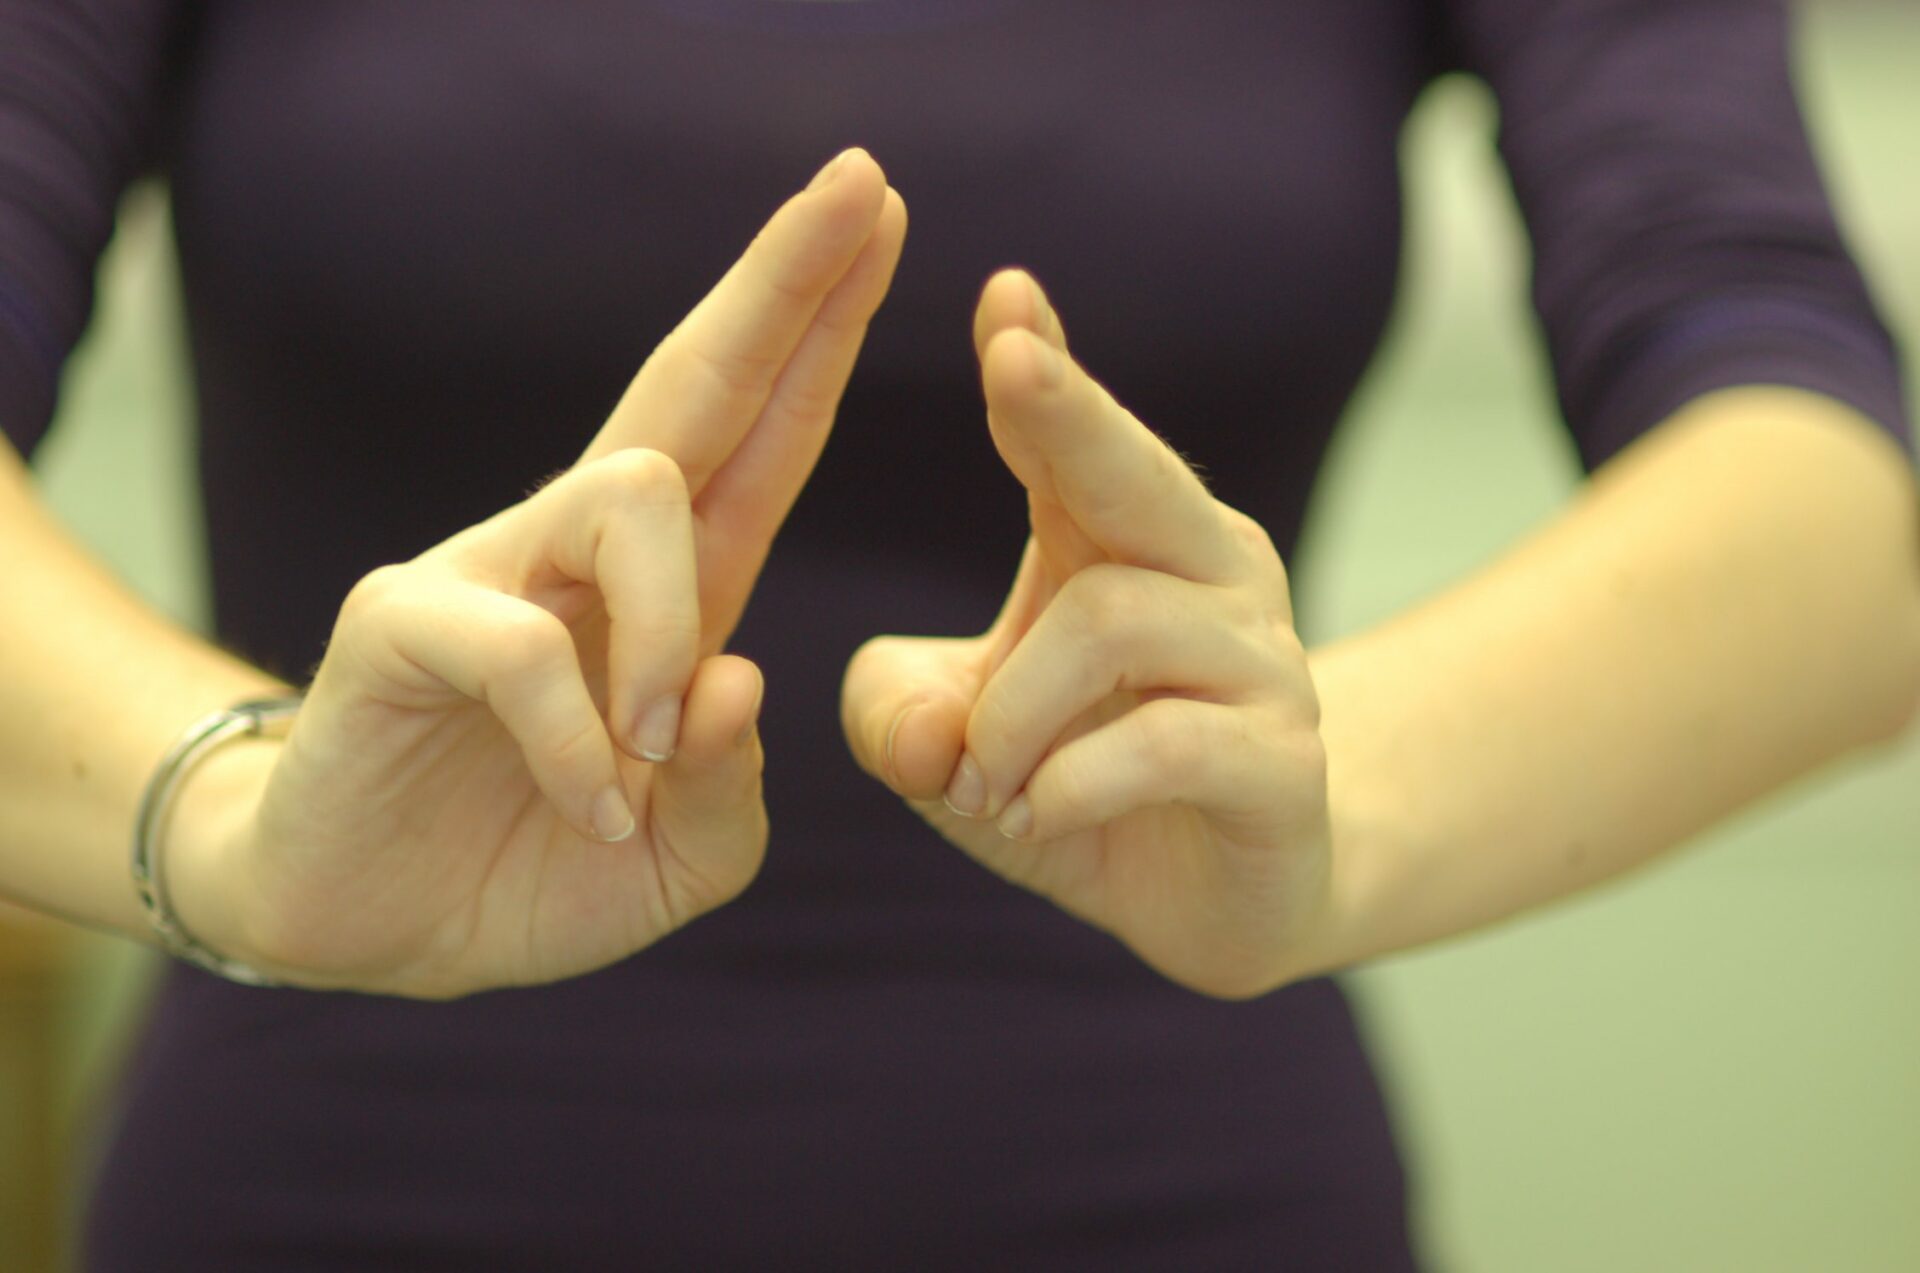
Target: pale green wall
(1714, 1066)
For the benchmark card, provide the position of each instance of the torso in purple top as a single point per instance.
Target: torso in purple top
(424, 247)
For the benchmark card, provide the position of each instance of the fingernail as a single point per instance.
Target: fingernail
(1052, 367)
(612, 818)
(1042, 308)
(893, 732)
(824, 178)
(967, 793)
(1016, 820)
(753, 717)
(658, 731)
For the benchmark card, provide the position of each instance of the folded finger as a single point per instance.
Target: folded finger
(706, 814)
(1111, 628)
(1233, 764)
(623, 526)
(516, 658)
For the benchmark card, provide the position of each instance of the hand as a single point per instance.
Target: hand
(523, 756)
(1136, 737)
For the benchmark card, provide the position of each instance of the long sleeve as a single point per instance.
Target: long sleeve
(1683, 239)
(79, 83)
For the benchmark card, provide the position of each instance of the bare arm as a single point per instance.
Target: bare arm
(1730, 604)
(96, 686)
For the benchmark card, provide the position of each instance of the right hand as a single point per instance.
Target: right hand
(524, 757)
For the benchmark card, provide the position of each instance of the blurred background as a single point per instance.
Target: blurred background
(1713, 1065)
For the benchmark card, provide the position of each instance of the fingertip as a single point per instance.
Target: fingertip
(1007, 290)
(750, 727)
(881, 256)
(656, 731)
(1046, 319)
(924, 745)
(851, 179)
(893, 215)
(611, 819)
(1016, 820)
(1013, 298)
(722, 701)
(1005, 302)
(860, 159)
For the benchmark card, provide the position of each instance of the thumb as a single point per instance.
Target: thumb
(707, 817)
(904, 706)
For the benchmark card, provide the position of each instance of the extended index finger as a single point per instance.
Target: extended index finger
(702, 390)
(1068, 441)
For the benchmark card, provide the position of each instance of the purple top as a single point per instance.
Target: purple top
(433, 230)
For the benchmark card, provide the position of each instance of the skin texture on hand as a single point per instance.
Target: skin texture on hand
(524, 756)
(1729, 604)
(1136, 736)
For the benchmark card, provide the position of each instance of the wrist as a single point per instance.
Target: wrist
(1364, 825)
(1333, 932)
(205, 846)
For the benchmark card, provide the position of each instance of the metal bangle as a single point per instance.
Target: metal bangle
(253, 718)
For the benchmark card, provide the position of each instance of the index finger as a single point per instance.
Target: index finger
(700, 392)
(1068, 441)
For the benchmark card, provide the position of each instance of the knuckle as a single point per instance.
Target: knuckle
(578, 746)
(875, 666)
(649, 474)
(992, 731)
(1285, 638)
(863, 658)
(1246, 529)
(792, 287)
(1241, 608)
(810, 400)
(1265, 663)
(525, 642)
(1289, 744)
(740, 376)
(1275, 647)
(1169, 744)
(1306, 705)
(1252, 536)
(1102, 606)
(663, 643)
(374, 595)
(1063, 791)
(1117, 504)
(1308, 756)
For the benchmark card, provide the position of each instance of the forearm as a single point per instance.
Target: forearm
(94, 686)
(1728, 605)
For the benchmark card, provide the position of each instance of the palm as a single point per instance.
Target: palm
(440, 819)
(1149, 877)
(1135, 736)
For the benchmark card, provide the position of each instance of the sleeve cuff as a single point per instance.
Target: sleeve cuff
(29, 381)
(1756, 344)
(26, 395)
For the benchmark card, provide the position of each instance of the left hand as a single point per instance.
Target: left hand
(1136, 737)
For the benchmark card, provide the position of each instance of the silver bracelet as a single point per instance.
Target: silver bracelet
(253, 718)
